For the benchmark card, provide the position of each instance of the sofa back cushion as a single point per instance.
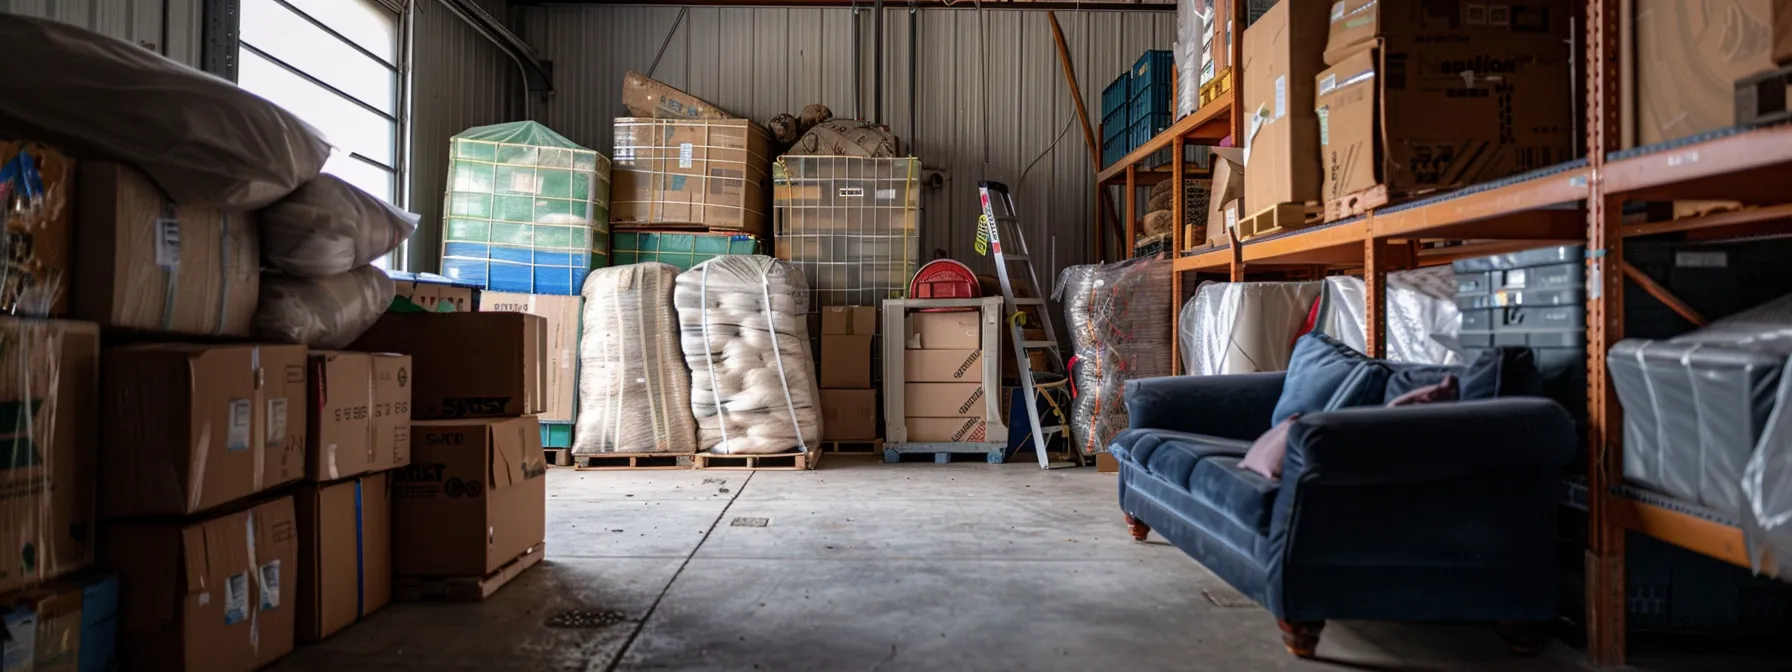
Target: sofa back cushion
(1325, 374)
(1493, 373)
(1444, 390)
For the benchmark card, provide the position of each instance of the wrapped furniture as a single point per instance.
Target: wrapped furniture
(634, 389)
(1118, 315)
(741, 323)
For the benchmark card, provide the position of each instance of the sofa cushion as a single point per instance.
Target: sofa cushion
(1501, 372)
(1266, 453)
(1443, 390)
(1245, 497)
(1320, 367)
(1169, 454)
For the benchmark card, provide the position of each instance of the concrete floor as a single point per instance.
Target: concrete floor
(865, 566)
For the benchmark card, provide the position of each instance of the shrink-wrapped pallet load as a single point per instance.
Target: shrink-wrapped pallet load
(743, 331)
(634, 389)
(1119, 319)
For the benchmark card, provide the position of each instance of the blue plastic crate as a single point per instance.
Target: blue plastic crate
(1115, 148)
(1143, 130)
(1154, 68)
(1115, 124)
(556, 434)
(1116, 97)
(1153, 101)
(520, 270)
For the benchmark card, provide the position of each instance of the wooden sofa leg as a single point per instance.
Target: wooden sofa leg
(1301, 639)
(1138, 528)
(1523, 639)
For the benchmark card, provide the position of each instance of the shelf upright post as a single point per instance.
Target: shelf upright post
(1177, 214)
(1605, 325)
(1130, 226)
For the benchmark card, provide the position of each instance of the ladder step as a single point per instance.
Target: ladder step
(1052, 429)
(1039, 344)
(1028, 301)
(1011, 258)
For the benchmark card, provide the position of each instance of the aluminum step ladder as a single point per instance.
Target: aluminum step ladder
(1024, 302)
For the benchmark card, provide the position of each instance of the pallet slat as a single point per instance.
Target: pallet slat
(465, 588)
(942, 452)
(631, 461)
(1359, 203)
(1279, 218)
(775, 462)
(865, 446)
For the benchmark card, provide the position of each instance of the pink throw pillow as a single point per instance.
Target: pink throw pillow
(1266, 453)
(1445, 390)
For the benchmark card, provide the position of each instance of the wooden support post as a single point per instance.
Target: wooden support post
(1176, 246)
(1237, 248)
(1076, 93)
(1129, 228)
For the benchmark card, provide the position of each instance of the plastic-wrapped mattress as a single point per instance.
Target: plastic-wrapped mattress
(1119, 320)
(634, 389)
(1250, 327)
(742, 321)
(1698, 407)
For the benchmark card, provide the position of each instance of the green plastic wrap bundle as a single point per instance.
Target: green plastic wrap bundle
(527, 210)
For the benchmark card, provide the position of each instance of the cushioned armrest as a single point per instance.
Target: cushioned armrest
(1430, 442)
(1233, 407)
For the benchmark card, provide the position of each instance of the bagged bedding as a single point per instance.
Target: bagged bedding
(329, 226)
(742, 321)
(325, 313)
(634, 389)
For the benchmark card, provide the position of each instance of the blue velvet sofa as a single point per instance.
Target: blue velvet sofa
(1438, 512)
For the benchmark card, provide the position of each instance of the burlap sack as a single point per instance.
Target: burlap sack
(845, 137)
(1156, 223)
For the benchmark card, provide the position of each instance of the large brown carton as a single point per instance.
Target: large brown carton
(1688, 58)
(942, 366)
(945, 331)
(40, 237)
(467, 364)
(648, 97)
(943, 400)
(855, 320)
(356, 414)
(564, 314)
(49, 394)
(1432, 112)
(1224, 202)
(696, 173)
(345, 553)
(849, 415)
(954, 430)
(1782, 31)
(186, 428)
(1400, 24)
(1283, 52)
(392, 408)
(208, 596)
(473, 499)
(845, 361)
(142, 262)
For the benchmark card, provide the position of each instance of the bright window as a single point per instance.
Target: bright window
(335, 64)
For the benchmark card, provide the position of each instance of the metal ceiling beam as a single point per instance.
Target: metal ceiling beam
(1095, 5)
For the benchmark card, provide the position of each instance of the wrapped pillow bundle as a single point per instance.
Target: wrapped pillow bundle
(742, 321)
(634, 389)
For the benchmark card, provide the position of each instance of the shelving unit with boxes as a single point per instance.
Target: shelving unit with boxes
(1575, 204)
(942, 379)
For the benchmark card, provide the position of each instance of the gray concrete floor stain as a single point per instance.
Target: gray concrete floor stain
(866, 566)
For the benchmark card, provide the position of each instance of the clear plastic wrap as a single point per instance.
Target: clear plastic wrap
(1190, 26)
(329, 226)
(634, 389)
(1119, 321)
(1245, 327)
(1422, 316)
(201, 139)
(327, 313)
(742, 323)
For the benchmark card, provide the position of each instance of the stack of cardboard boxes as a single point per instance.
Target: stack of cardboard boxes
(848, 401)
(470, 510)
(942, 371)
(563, 316)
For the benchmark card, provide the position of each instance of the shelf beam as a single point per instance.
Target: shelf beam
(1770, 220)
(1706, 537)
(1206, 126)
(1752, 166)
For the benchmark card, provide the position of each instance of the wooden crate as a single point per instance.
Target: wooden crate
(1279, 218)
(465, 588)
(792, 461)
(1359, 203)
(558, 457)
(631, 461)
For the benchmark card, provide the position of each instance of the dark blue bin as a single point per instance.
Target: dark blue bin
(1116, 112)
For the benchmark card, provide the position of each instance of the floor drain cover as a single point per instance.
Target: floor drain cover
(1227, 598)
(586, 619)
(750, 522)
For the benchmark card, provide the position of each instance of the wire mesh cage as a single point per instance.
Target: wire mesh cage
(527, 210)
(850, 223)
(683, 250)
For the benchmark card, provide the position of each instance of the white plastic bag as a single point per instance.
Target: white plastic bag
(325, 313)
(329, 226)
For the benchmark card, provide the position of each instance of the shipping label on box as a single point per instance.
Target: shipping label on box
(944, 400)
(392, 409)
(564, 314)
(945, 331)
(849, 415)
(845, 362)
(858, 320)
(965, 430)
(473, 498)
(942, 366)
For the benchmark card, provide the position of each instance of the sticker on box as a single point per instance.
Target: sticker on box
(270, 585)
(241, 414)
(236, 599)
(276, 433)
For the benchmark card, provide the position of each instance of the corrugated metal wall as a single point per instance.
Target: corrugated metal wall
(991, 94)
(171, 27)
(458, 80)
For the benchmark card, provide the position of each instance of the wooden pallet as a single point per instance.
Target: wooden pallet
(1220, 85)
(1761, 98)
(864, 446)
(778, 462)
(558, 457)
(631, 461)
(465, 588)
(1359, 203)
(942, 452)
(1278, 218)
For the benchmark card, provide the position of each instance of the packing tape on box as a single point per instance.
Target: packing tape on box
(260, 456)
(360, 556)
(167, 256)
(260, 583)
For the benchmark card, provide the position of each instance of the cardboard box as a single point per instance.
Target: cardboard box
(845, 361)
(848, 415)
(1223, 203)
(969, 430)
(1358, 24)
(51, 366)
(467, 364)
(698, 173)
(213, 595)
(191, 427)
(942, 366)
(35, 274)
(1782, 31)
(943, 400)
(1688, 58)
(1283, 53)
(564, 315)
(345, 553)
(42, 630)
(1106, 464)
(648, 97)
(392, 409)
(473, 498)
(142, 263)
(1457, 108)
(945, 331)
(857, 320)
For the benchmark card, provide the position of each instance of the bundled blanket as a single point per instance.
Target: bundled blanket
(745, 339)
